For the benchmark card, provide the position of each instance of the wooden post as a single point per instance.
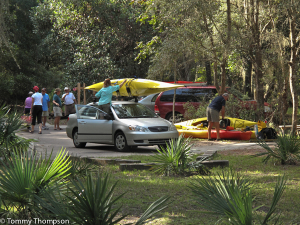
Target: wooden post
(174, 97)
(84, 97)
(78, 93)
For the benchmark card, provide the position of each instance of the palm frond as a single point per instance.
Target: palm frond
(279, 189)
(228, 195)
(92, 202)
(175, 157)
(155, 207)
(287, 149)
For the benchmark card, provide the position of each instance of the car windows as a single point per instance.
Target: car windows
(167, 96)
(89, 112)
(188, 95)
(154, 98)
(133, 111)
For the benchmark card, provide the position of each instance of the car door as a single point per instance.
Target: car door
(92, 126)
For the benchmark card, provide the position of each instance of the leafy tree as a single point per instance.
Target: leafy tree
(92, 39)
(19, 78)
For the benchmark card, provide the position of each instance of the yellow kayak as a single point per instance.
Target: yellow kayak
(232, 122)
(198, 127)
(137, 87)
(201, 134)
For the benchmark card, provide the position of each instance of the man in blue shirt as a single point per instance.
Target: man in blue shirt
(212, 113)
(46, 106)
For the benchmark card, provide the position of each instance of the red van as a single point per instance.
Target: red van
(195, 95)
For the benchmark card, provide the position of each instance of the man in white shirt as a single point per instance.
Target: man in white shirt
(69, 100)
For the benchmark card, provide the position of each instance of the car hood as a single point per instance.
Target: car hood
(146, 122)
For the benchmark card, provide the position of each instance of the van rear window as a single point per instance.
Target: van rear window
(188, 95)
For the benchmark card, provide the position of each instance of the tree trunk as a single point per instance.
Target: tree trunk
(208, 72)
(227, 49)
(223, 76)
(257, 59)
(248, 76)
(215, 58)
(292, 71)
(174, 97)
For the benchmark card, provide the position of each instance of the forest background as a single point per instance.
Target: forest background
(249, 45)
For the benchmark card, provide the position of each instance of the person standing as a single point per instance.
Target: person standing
(46, 107)
(212, 113)
(105, 94)
(70, 101)
(28, 102)
(57, 109)
(36, 109)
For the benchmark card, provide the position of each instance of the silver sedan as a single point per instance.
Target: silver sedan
(149, 101)
(128, 125)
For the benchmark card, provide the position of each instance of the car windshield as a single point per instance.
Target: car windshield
(133, 111)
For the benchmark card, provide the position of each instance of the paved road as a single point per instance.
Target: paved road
(56, 140)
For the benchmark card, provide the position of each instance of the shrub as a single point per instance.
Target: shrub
(80, 167)
(192, 112)
(10, 122)
(229, 195)
(91, 201)
(174, 157)
(24, 177)
(287, 149)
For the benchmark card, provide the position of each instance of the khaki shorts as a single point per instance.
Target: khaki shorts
(45, 113)
(212, 115)
(57, 111)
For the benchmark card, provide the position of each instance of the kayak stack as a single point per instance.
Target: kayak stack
(230, 129)
(137, 87)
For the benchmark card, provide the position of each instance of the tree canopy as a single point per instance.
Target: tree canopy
(251, 45)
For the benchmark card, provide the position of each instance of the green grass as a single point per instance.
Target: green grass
(143, 187)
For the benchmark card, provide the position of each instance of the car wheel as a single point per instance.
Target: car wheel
(120, 142)
(178, 117)
(76, 143)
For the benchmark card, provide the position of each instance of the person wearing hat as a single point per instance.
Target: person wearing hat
(36, 109)
(69, 100)
(57, 108)
(28, 102)
(212, 113)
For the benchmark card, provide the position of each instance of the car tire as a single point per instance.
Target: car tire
(178, 117)
(76, 143)
(120, 142)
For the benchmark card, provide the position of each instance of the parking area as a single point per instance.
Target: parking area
(56, 140)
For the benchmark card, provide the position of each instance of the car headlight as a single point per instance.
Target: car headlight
(138, 128)
(172, 127)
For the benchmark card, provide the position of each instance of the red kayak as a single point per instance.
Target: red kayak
(232, 135)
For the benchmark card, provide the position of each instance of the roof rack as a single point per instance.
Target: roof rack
(194, 84)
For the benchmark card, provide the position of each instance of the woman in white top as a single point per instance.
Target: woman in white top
(36, 109)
